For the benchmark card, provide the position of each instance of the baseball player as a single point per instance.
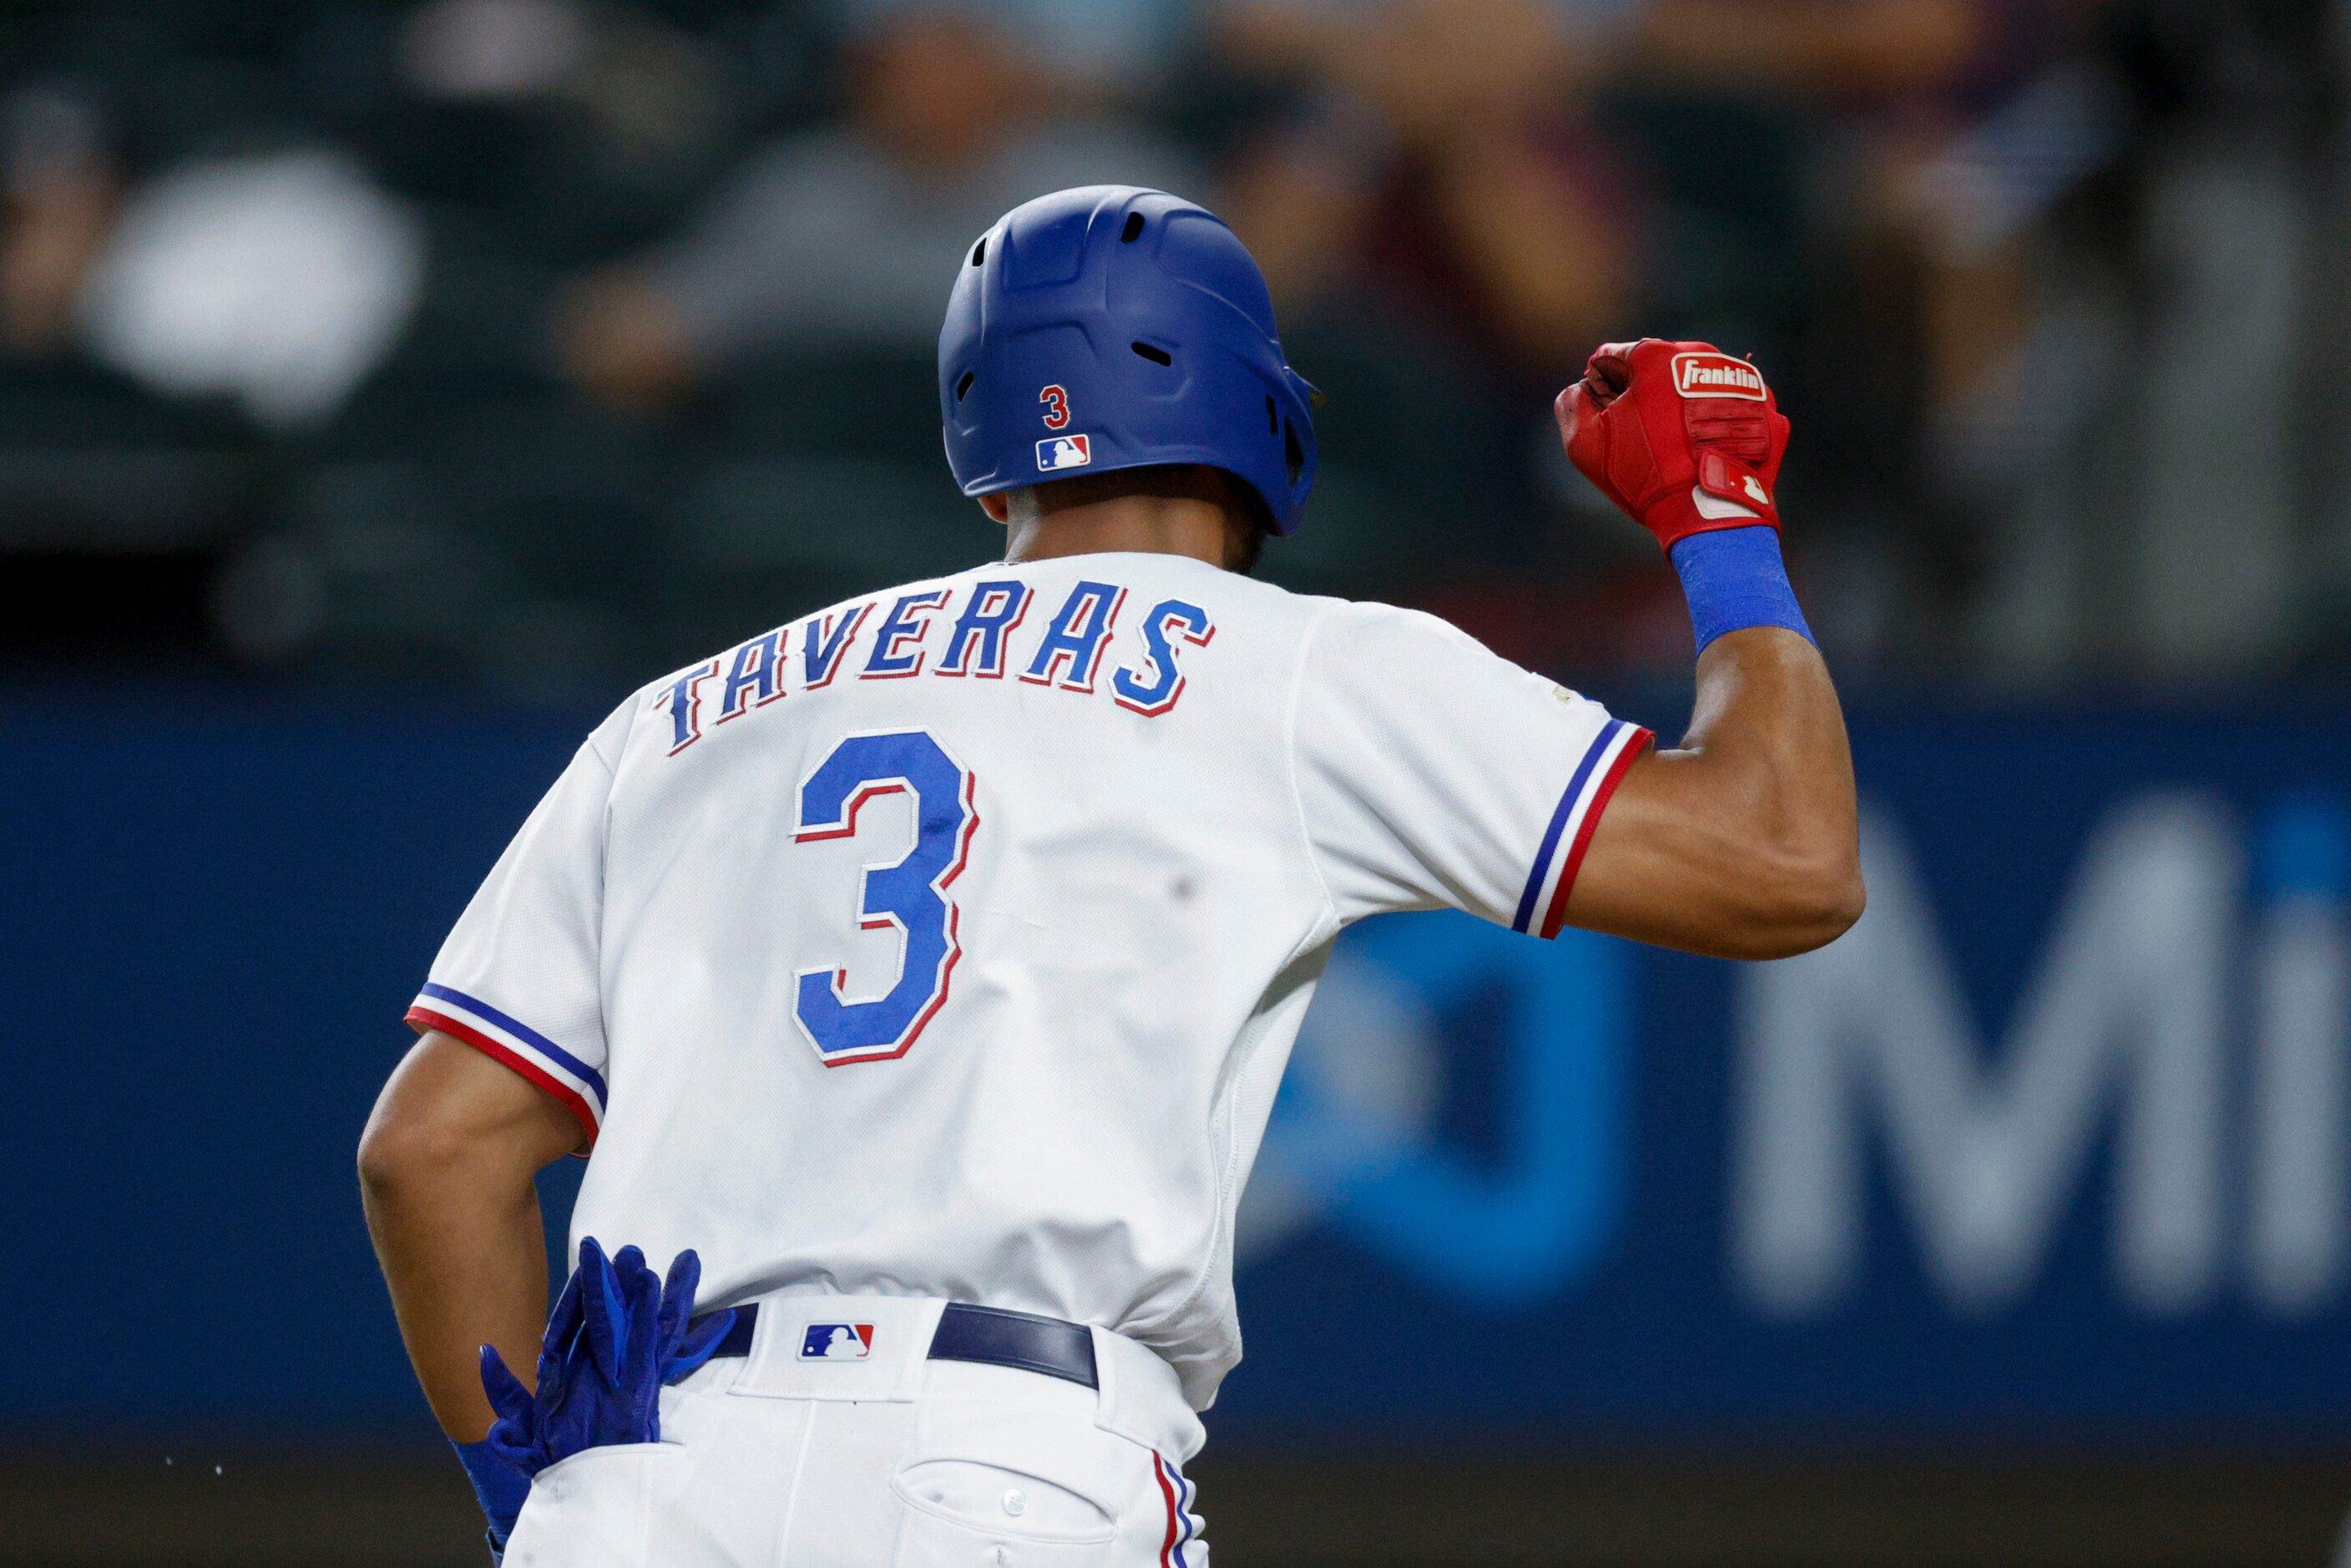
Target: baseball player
(918, 975)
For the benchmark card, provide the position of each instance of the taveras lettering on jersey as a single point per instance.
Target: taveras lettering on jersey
(952, 942)
(1066, 655)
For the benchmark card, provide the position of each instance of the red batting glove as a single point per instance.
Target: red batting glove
(1683, 437)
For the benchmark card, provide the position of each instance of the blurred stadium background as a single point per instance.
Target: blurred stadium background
(386, 389)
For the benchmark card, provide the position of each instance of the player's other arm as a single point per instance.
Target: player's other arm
(446, 1168)
(1742, 842)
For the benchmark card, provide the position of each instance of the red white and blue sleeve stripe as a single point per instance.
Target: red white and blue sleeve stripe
(514, 1044)
(1543, 906)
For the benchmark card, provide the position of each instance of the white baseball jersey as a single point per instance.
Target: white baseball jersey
(952, 942)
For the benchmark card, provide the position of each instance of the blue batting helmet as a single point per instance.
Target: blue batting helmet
(1108, 327)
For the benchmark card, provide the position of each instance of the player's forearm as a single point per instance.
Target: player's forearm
(1740, 843)
(1767, 741)
(453, 1208)
(466, 1265)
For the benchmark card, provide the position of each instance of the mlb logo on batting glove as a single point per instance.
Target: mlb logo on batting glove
(1064, 451)
(837, 1341)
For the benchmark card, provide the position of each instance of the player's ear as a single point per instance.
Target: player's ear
(998, 504)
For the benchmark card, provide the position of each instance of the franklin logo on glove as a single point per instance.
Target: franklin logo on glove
(1717, 375)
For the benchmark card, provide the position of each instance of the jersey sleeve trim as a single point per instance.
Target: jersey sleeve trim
(1543, 904)
(516, 1045)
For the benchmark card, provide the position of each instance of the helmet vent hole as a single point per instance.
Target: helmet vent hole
(979, 251)
(1273, 418)
(1158, 356)
(964, 385)
(1133, 229)
(1293, 457)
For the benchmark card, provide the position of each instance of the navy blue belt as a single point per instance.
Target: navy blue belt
(991, 1335)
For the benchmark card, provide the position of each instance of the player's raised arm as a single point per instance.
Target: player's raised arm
(1742, 842)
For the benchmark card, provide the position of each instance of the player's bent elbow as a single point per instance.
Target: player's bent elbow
(415, 1143)
(450, 1117)
(1815, 902)
(1851, 902)
(398, 1151)
(1780, 903)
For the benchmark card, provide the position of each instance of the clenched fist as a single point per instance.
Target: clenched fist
(1683, 437)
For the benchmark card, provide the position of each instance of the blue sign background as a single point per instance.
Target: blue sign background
(214, 914)
(1995, 811)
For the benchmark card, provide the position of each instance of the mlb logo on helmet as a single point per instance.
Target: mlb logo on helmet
(1064, 451)
(1717, 375)
(837, 1341)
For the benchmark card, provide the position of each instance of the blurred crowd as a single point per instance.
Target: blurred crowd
(539, 345)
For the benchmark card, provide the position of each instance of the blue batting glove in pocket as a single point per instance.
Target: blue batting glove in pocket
(618, 1334)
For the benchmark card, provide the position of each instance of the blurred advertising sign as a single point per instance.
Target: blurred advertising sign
(1353, 1140)
(2061, 1133)
(2132, 1015)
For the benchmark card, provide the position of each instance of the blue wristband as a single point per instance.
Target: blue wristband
(1734, 578)
(498, 1484)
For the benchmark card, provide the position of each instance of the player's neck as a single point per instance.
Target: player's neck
(1153, 525)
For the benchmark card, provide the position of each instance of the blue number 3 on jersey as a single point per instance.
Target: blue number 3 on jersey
(909, 893)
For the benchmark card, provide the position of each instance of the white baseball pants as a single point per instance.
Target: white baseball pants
(887, 1459)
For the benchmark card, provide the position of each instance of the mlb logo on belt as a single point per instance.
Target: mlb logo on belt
(1064, 452)
(1717, 375)
(837, 1341)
